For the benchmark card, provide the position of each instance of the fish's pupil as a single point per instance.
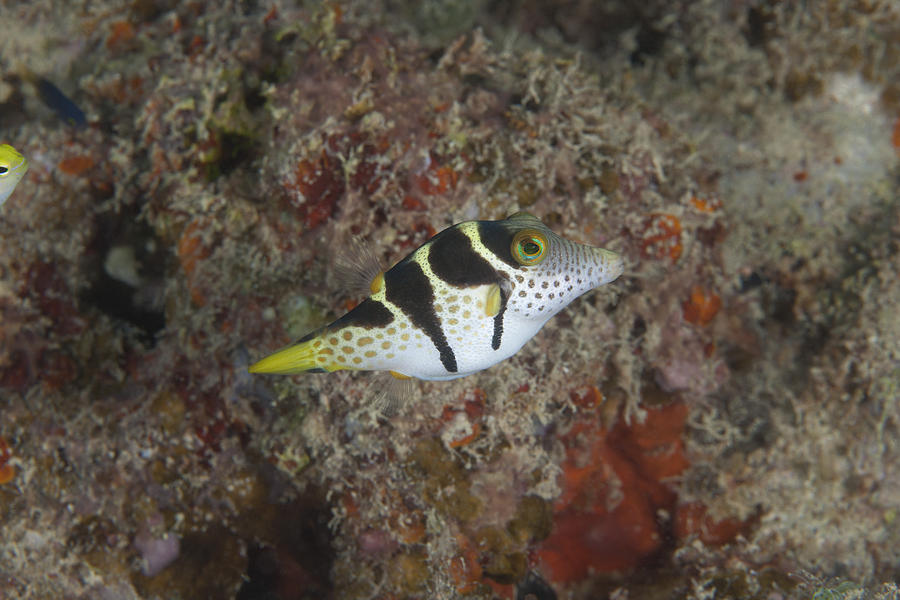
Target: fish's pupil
(3, 170)
(530, 248)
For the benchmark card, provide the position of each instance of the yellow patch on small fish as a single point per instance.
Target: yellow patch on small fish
(13, 167)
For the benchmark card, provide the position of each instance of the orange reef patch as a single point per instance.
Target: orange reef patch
(614, 486)
(320, 182)
(465, 571)
(701, 307)
(587, 397)
(692, 520)
(410, 526)
(706, 205)
(191, 250)
(436, 179)
(472, 413)
(122, 32)
(7, 472)
(76, 165)
(895, 138)
(662, 237)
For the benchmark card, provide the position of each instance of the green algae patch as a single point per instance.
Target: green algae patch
(533, 520)
(446, 485)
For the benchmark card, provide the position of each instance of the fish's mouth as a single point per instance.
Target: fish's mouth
(612, 265)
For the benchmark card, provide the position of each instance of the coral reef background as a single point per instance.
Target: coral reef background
(720, 423)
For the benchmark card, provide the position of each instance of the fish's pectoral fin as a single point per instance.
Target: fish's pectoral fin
(497, 294)
(493, 301)
(357, 270)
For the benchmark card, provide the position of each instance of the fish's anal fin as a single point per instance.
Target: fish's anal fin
(393, 392)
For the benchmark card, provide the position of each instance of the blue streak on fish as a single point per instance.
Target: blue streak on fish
(13, 167)
(468, 298)
(57, 101)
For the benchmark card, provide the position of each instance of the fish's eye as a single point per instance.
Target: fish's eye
(529, 247)
(3, 170)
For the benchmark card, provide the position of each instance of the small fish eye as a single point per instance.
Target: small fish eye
(3, 170)
(529, 247)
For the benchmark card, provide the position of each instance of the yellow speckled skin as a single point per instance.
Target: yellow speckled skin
(465, 300)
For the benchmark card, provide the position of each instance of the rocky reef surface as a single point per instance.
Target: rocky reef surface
(720, 423)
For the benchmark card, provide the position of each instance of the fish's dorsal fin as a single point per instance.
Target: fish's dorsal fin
(357, 269)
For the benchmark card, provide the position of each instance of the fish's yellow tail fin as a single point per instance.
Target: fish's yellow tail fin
(306, 355)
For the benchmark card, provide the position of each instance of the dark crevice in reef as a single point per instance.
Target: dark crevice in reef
(294, 563)
(125, 267)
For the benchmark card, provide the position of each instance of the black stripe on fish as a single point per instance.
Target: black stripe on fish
(368, 314)
(497, 238)
(310, 335)
(454, 260)
(407, 286)
(498, 320)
